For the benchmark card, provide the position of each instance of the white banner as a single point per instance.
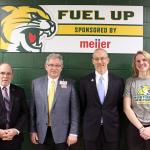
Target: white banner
(71, 28)
(85, 44)
(118, 29)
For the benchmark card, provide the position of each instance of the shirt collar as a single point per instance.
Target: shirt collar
(8, 86)
(105, 75)
(55, 80)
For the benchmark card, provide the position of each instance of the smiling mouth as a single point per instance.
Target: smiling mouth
(5, 80)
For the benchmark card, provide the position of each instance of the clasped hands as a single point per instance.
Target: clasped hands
(145, 133)
(7, 134)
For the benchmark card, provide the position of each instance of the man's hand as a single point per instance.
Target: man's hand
(9, 134)
(34, 138)
(2, 133)
(72, 139)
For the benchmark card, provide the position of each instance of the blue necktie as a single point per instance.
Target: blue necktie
(101, 90)
(7, 105)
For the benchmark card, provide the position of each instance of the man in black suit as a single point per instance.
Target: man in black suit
(101, 114)
(13, 110)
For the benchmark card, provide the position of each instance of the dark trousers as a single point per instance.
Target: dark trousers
(10, 145)
(135, 141)
(101, 143)
(49, 143)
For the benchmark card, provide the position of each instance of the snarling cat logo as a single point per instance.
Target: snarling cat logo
(23, 27)
(144, 90)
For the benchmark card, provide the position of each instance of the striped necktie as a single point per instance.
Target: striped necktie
(7, 105)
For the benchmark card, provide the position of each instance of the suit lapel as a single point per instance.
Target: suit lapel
(110, 87)
(93, 88)
(57, 92)
(44, 89)
(12, 97)
(1, 100)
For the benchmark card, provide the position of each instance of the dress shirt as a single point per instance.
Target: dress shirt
(8, 89)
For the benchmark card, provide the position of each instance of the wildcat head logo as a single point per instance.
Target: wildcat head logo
(23, 27)
(144, 90)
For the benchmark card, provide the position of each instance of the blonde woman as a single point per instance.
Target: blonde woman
(137, 103)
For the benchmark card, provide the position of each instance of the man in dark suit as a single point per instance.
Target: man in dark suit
(101, 103)
(54, 117)
(13, 110)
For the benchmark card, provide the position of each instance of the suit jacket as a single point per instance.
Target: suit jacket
(93, 110)
(64, 112)
(19, 112)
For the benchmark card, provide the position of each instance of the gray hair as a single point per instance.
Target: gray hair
(54, 56)
(100, 49)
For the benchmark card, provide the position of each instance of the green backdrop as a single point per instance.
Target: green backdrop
(28, 66)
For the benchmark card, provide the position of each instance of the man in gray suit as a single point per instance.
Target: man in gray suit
(54, 126)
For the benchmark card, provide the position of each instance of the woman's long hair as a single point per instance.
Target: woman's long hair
(147, 57)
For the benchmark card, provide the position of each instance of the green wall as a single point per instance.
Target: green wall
(28, 66)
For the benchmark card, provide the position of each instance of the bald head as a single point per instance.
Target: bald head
(101, 50)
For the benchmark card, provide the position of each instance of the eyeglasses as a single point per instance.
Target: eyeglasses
(52, 65)
(100, 58)
(6, 73)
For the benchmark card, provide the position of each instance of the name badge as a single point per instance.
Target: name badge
(63, 84)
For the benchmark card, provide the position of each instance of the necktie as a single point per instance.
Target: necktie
(7, 105)
(101, 90)
(51, 97)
